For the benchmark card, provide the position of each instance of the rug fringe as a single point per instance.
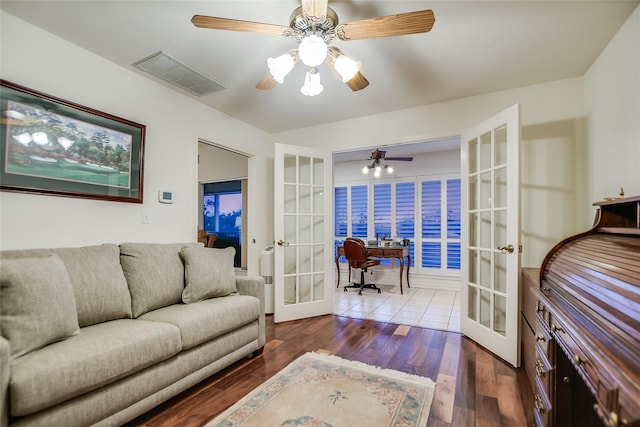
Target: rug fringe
(368, 367)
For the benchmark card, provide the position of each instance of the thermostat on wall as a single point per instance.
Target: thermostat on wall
(165, 196)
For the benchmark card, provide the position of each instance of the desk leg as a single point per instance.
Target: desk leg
(338, 267)
(408, 267)
(401, 259)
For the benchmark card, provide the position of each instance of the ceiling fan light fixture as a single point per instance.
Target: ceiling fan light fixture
(281, 66)
(312, 86)
(312, 50)
(346, 67)
(365, 170)
(389, 169)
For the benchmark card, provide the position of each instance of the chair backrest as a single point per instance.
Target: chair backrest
(202, 236)
(355, 251)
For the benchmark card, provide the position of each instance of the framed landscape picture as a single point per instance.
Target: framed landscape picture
(52, 146)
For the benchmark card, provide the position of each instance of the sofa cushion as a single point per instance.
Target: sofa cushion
(205, 320)
(37, 306)
(208, 273)
(99, 285)
(100, 354)
(154, 273)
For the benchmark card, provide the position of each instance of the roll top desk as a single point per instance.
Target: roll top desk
(581, 324)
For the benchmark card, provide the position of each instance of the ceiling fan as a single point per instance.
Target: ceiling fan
(314, 26)
(377, 158)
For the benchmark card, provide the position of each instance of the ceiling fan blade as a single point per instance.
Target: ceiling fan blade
(266, 83)
(317, 8)
(358, 82)
(402, 159)
(387, 26)
(215, 23)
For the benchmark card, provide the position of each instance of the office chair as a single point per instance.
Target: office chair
(356, 253)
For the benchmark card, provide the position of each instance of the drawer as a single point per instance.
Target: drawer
(542, 311)
(543, 338)
(544, 370)
(542, 406)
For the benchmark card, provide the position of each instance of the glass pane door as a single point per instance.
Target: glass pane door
(490, 264)
(303, 268)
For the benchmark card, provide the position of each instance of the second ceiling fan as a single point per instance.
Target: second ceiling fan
(314, 26)
(378, 157)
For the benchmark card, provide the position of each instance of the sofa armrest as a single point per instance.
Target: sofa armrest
(5, 355)
(254, 286)
(251, 285)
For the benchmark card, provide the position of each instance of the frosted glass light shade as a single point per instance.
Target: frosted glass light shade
(346, 67)
(312, 86)
(281, 66)
(365, 170)
(312, 51)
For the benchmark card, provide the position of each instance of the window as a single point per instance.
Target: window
(359, 211)
(406, 214)
(341, 212)
(428, 217)
(382, 210)
(223, 214)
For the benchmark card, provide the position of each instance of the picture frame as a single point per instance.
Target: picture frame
(57, 147)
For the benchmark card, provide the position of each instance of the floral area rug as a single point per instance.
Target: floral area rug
(321, 390)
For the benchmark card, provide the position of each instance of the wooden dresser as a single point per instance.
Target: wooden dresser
(581, 324)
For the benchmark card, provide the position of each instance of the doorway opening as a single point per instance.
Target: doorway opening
(419, 202)
(222, 215)
(222, 198)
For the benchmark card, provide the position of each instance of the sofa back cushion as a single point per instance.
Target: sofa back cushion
(155, 274)
(209, 273)
(99, 286)
(37, 306)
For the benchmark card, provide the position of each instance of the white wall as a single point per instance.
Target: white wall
(174, 123)
(552, 121)
(612, 106)
(217, 164)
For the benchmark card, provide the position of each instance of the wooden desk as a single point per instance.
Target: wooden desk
(399, 252)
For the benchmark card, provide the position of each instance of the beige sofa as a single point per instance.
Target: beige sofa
(99, 335)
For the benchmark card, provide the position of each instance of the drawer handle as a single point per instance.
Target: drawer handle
(539, 308)
(540, 338)
(579, 361)
(539, 405)
(610, 420)
(540, 368)
(556, 328)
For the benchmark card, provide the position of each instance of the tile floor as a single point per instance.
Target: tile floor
(428, 308)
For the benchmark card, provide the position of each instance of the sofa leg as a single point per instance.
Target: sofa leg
(258, 352)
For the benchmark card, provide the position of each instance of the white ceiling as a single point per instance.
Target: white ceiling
(475, 47)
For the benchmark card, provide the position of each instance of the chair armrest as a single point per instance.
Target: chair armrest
(5, 355)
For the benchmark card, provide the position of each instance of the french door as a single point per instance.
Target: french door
(303, 276)
(490, 234)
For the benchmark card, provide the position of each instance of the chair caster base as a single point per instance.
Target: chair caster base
(360, 288)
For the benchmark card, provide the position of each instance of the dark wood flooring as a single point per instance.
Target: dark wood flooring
(473, 387)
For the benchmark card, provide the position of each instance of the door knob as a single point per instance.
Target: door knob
(506, 249)
(282, 243)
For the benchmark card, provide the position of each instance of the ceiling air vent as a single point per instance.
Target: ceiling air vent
(175, 72)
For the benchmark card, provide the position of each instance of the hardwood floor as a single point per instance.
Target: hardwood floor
(473, 387)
